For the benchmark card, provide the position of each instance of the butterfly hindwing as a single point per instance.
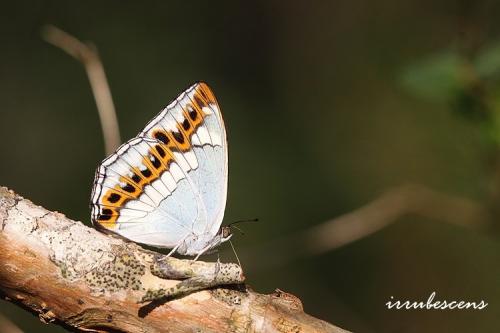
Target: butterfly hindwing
(170, 180)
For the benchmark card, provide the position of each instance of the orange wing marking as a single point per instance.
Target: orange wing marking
(159, 157)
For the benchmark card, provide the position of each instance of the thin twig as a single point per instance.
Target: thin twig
(388, 208)
(6, 325)
(87, 55)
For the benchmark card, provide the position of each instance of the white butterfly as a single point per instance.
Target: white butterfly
(167, 186)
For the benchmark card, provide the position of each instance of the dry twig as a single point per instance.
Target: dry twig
(8, 326)
(87, 55)
(395, 203)
(388, 208)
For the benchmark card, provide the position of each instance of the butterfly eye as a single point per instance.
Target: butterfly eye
(226, 232)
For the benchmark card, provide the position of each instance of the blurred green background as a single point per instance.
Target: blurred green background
(327, 104)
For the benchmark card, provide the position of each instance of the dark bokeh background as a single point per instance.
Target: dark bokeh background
(327, 104)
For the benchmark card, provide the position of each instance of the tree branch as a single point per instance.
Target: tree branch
(84, 280)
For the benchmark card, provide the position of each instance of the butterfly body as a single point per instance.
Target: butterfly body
(167, 186)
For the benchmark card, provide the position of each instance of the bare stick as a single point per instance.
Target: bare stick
(395, 203)
(75, 276)
(8, 326)
(88, 56)
(388, 208)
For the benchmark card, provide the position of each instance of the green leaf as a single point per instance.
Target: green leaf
(487, 62)
(435, 78)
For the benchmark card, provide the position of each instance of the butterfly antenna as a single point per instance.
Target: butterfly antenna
(239, 229)
(236, 255)
(240, 221)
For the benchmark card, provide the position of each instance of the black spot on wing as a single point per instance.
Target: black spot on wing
(129, 188)
(155, 161)
(192, 113)
(185, 124)
(114, 197)
(160, 151)
(161, 137)
(136, 178)
(103, 217)
(178, 137)
(146, 173)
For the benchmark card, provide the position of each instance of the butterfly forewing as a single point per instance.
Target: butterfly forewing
(169, 181)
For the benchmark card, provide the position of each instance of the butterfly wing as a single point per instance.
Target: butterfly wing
(169, 181)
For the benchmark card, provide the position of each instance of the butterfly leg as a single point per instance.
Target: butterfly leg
(203, 251)
(174, 249)
(177, 246)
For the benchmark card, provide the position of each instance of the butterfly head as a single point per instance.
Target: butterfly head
(225, 233)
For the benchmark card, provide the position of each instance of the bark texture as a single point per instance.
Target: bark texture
(87, 281)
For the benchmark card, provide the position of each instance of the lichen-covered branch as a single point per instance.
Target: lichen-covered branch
(75, 276)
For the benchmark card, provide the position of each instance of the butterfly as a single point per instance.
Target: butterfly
(167, 187)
